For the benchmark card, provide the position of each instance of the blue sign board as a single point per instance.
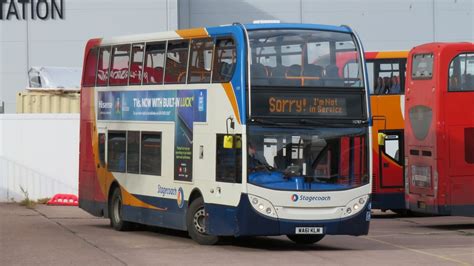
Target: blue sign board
(152, 105)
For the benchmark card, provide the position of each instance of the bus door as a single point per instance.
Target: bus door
(391, 161)
(459, 115)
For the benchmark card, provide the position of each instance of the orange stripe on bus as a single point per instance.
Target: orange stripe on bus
(392, 54)
(233, 100)
(193, 33)
(130, 200)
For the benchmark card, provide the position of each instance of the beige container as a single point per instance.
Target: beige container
(47, 102)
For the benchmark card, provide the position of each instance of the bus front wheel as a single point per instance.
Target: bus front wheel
(196, 223)
(115, 212)
(305, 239)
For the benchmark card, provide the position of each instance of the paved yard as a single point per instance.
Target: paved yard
(67, 235)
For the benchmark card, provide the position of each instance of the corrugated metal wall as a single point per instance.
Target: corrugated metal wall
(61, 42)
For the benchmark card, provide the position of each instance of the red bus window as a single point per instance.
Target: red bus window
(176, 61)
(136, 65)
(224, 60)
(120, 62)
(103, 66)
(461, 73)
(422, 67)
(88, 80)
(154, 63)
(469, 145)
(200, 61)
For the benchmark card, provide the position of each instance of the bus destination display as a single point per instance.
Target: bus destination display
(271, 104)
(314, 105)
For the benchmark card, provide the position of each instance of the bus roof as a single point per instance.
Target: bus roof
(205, 32)
(258, 26)
(439, 46)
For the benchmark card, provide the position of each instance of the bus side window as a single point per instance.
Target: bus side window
(228, 160)
(103, 67)
(133, 151)
(461, 73)
(469, 145)
(119, 65)
(176, 61)
(151, 153)
(116, 156)
(225, 59)
(200, 61)
(90, 68)
(136, 64)
(154, 63)
(102, 149)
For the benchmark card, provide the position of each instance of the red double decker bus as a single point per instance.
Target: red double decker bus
(439, 133)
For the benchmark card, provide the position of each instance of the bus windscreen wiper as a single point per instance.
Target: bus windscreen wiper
(264, 122)
(331, 124)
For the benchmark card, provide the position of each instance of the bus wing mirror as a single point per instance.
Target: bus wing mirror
(381, 139)
(228, 142)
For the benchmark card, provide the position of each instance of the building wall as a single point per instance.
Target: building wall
(39, 153)
(382, 25)
(61, 42)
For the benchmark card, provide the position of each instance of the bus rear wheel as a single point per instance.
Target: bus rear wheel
(196, 223)
(115, 212)
(305, 239)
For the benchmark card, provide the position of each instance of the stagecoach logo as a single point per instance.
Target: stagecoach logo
(296, 197)
(180, 198)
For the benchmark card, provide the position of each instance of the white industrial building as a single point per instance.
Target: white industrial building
(24, 43)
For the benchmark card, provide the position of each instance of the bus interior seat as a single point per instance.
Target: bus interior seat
(153, 75)
(259, 74)
(313, 71)
(278, 76)
(332, 76)
(135, 73)
(293, 75)
(117, 77)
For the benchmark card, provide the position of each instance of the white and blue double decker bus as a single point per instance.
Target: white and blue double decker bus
(235, 130)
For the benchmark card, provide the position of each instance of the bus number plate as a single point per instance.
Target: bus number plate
(309, 230)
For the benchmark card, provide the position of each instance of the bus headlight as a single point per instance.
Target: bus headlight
(355, 206)
(262, 206)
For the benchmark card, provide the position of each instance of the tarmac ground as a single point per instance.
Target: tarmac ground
(54, 235)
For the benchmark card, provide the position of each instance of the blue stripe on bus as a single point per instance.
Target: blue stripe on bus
(239, 79)
(244, 221)
(173, 217)
(239, 221)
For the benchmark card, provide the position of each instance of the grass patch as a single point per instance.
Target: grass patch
(27, 202)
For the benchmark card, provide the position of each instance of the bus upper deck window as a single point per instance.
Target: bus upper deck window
(103, 67)
(200, 61)
(119, 65)
(154, 63)
(176, 61)
(136, 64)
(224, 60)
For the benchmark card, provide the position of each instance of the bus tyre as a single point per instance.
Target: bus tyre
(196, 222)
(115, 212)
(305, 239)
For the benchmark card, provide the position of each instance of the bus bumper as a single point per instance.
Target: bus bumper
(245, 221)
(388, 201)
